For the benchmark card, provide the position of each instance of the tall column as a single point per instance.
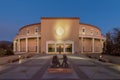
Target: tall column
(37, 44)
(19, 45)
(93, 49)
(55, 48)
(101, 46)
(14, 45)
(82, 44)
(26, 44)
(64, 48)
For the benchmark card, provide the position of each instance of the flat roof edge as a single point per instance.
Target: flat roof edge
(60, 18)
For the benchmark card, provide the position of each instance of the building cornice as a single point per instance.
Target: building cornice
(29, 25)
(60, 18)
(90, 25)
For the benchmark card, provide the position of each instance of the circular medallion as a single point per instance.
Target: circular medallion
(60, 31)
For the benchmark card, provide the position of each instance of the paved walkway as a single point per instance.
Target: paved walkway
(92, 69)
(35, 68)
(6, 59)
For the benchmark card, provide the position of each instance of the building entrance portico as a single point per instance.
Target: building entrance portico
(59, 47)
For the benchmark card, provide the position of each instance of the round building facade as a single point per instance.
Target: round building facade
(59, 36)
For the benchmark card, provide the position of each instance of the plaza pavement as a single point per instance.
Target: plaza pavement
(36, 68)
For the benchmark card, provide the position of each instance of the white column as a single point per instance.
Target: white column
(64, 48)
(55, 48)
(26, 44)
(19, 45)
(14, 45)
(101, 46)
(37, 44)
(82, 44)
(93, 45)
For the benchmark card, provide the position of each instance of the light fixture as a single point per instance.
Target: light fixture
(60, 31)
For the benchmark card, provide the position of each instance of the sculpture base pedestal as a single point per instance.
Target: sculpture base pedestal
(59, 70)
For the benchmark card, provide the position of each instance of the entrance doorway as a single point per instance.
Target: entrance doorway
(64, 47)
(60, 48)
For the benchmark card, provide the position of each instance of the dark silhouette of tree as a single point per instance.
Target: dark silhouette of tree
(112, 44)
(3, 46)
(104, 48)
(116, 41)
(108, 44)
(6, 48)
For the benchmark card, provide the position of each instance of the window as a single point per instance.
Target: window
(27, 31)
(83, 30)
(91, 31)
(36, 29)
(68, 48)
(51, 47)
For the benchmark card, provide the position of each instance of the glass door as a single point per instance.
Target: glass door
(68, 48)
(59, 48)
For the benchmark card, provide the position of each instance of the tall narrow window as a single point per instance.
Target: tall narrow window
(83, 30)
(36, 29)
(27, 31)
(91, 31)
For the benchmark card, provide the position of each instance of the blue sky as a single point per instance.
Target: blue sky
(15, 14)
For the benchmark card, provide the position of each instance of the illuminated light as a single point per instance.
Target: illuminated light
(65, 32)
(60, 31)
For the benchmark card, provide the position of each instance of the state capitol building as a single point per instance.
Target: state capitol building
(54, 35)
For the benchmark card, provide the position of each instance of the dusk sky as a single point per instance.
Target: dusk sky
(15, 14)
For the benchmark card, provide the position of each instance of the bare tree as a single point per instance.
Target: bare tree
(116, 41)
(112, 44)
(108, 44)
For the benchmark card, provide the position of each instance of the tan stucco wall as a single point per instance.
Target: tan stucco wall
(97, 45)
(80, 45)
(48, 31)
(40, 45)
(87, 45)
(22, 45)
(32, 45)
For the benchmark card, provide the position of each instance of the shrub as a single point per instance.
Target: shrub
(4, 52)
(9, 52)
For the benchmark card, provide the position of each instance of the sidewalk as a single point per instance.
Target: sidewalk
(32, 69)
(7, 59)
(36, 68)
(92, 69)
